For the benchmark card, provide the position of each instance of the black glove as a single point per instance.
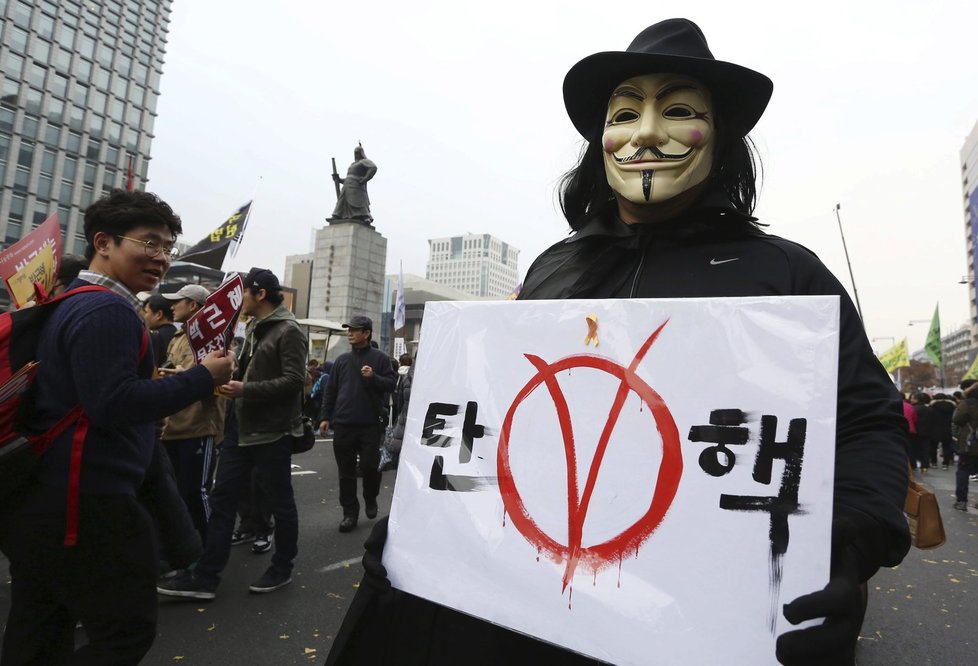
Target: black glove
(842, 603)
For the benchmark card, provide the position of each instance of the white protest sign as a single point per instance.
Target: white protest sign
(625, 478)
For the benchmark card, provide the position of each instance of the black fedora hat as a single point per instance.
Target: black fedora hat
(673, 46)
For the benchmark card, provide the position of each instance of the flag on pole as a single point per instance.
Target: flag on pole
(34, 258)
(399, 309)
(972, 371)
(896, 356)
(933, 344)
(214, 247)
(515, 293)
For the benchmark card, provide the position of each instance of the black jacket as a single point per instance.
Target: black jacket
(711, 251)
(351, 399)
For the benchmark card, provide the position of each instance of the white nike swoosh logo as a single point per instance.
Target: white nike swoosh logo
(717, 262)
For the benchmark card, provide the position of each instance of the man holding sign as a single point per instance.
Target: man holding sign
(265, 413)
(661, 205)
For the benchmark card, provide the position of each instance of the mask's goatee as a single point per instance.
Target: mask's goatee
(647, 183)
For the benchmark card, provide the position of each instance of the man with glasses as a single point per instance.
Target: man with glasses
(81, 547)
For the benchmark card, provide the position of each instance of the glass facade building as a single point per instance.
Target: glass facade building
(79, 82)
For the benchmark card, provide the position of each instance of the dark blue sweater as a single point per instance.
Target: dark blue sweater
(89, 353)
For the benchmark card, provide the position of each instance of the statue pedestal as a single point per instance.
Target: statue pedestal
(341, 220)
(349, 264)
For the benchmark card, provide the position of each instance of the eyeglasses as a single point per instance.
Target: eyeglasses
(153, 248)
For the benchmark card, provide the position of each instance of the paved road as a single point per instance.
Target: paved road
(923, 612)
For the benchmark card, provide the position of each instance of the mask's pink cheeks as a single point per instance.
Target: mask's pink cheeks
(609, 144)
(696, 137)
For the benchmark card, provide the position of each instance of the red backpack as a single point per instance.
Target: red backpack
(20, 453)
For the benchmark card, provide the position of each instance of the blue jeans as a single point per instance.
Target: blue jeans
(234, 467)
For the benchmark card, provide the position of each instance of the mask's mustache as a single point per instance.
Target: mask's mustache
(638, 154)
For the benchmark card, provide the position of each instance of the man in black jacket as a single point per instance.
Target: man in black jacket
(353, 405)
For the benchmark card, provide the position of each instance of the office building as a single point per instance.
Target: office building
(969, 186)
(477, 264)
(80, 83)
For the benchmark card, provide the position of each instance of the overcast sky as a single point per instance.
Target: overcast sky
(459, 105)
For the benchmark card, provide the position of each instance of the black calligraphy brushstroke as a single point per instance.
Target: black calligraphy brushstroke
(438, 480)
(470, 430)
(647, 183)
(785, 503)
(432, 422)
(724, 431)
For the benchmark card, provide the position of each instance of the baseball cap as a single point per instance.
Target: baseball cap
(194, 292)
(262, 278)
(360, 321)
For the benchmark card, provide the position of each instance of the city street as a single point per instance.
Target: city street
(923, 612)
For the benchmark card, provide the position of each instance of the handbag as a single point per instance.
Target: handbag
(923, 516)
(305, 441)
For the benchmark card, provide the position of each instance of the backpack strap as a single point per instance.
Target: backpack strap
(77, 416)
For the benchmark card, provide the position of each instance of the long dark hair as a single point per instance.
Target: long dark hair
(584, 192)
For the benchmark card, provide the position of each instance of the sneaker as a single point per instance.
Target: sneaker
(262, 544)
(961, 506)
(271, 580)
(238, 538)
(348, 524)
(186, 586)
(370, 509)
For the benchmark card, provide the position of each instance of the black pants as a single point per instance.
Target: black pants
(193, 465)
(234, 469)
(107, 581)
(254, 516)
(348, 442)
(967, 465)
(920, 448)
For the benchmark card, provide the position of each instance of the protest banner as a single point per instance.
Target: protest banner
(34, 258)
(212, 326)
(624, 477)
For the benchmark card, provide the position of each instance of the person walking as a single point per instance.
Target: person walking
(353, 407)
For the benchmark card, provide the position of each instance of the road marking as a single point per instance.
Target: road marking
(339, 565)
(305, 471)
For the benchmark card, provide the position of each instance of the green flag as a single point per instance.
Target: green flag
(933, 344)
(972, 371)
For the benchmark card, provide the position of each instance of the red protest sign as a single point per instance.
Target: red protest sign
(34, 258)
(212, 326)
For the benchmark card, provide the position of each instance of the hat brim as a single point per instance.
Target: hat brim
(740, 94)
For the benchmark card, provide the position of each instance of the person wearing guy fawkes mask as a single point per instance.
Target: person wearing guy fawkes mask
(661, 206)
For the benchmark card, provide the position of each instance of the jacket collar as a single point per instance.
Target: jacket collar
(711, 213)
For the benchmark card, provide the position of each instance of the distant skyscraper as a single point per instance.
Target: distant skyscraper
(969, 184)
(80, 81)
(477, 264)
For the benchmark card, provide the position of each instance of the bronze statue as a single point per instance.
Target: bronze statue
(352, 202)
